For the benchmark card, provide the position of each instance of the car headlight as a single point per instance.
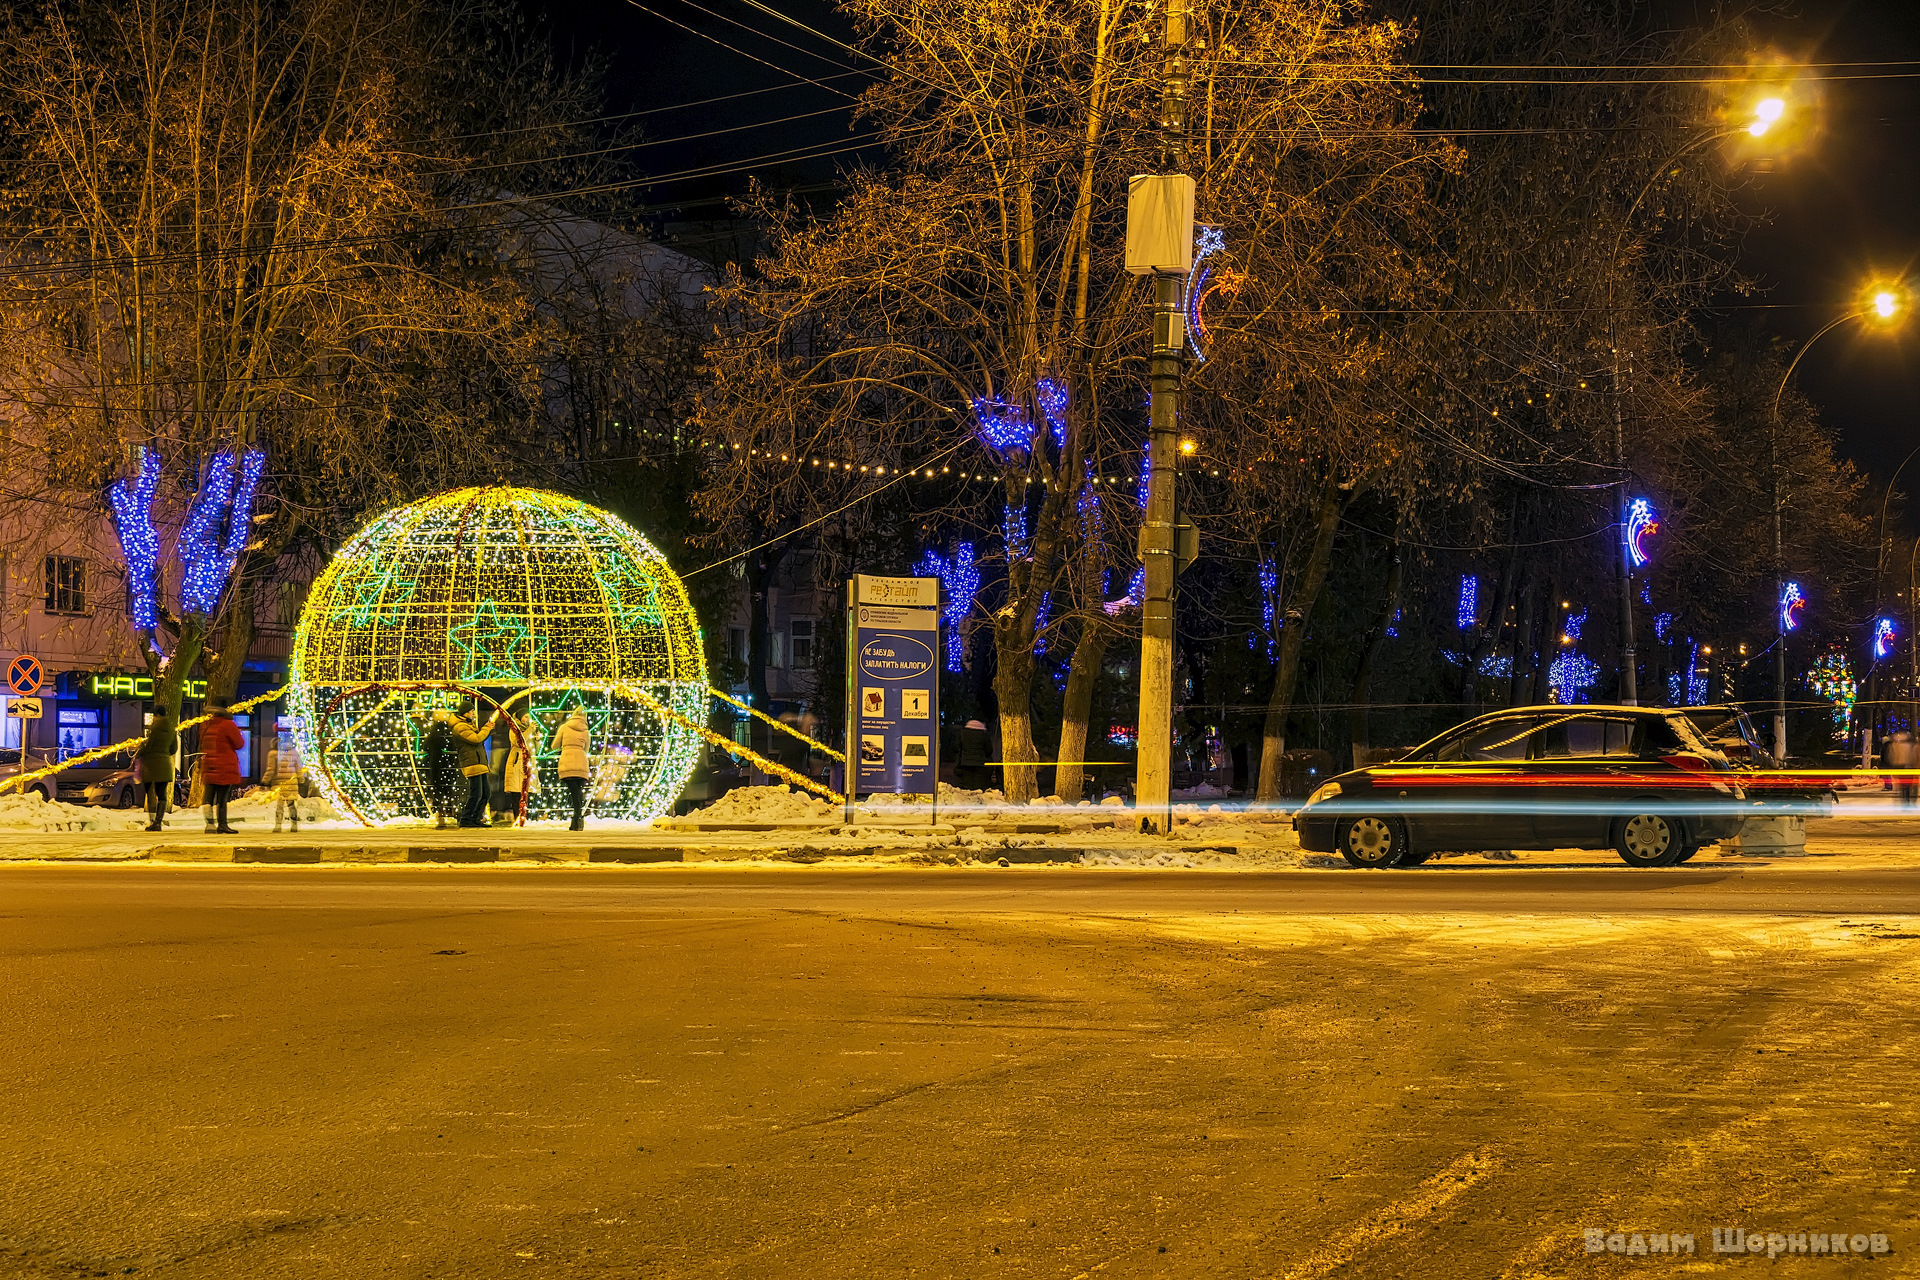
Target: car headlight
(1326, 791)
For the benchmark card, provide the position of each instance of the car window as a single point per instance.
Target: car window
(1583, 737)
(1501, 740)
(9, 756)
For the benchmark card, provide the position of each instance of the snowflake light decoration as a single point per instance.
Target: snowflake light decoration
(1883, 633)
(514, 598)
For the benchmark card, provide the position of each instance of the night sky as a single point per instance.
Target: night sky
(1835, 214)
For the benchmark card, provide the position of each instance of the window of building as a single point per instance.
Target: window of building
(776, 649)
(737, 644)
(288, 601)
(79, 730)
(66, 584)
(802, 643)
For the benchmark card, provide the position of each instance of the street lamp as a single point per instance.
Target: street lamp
(1881, 304)
(1767, 112)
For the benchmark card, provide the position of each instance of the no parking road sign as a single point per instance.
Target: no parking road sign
(24, 676)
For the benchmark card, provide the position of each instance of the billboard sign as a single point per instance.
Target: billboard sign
(893, 695)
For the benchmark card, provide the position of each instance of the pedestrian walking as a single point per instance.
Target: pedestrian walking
(471, 743)
(285, 772)
(220, 745)
(1903, 757)
(574, 746)
(971, 769)
(154, 763)
(440, 758)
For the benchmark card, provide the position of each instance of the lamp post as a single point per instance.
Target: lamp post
(1883, 304)
(1766, 113)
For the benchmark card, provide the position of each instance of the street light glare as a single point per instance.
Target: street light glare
(1885, 304)
(1765, 114)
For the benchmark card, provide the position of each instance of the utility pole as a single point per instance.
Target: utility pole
(1160, 242)
(1629, 677)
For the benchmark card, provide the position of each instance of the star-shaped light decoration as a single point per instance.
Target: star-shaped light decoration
(490, 643)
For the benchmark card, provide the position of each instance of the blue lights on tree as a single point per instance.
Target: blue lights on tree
(211, 540)
(1051, 397)
(1576, 622)
(1004, 427)
(208, 552)
(1136, 592)
(1146, 471)
(1662, 624)
(1469, 610)
(962, 581)
(1013, 529)
(1269, 601)
(139, 541)
(1570, 675)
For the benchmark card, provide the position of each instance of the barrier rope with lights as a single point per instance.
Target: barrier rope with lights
(781, 725)
(86, 757)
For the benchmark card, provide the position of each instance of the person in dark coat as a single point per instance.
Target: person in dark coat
(220, 746)
(470, 741)
(971, 768)
(441, 759)
(154, 762)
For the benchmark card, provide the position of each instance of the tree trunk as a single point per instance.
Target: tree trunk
(1525, 633)
(223, 677)
(1013, 690)
(1548, 644)
(1069, 779)
(1273, 741)
(169, 685)
(1489, 639)
(1369, 654)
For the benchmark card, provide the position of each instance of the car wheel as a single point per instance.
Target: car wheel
(1368, 841)
(1686, 853)
(42, 792)
(1412, 859)
(126, 797)
(1649, 840)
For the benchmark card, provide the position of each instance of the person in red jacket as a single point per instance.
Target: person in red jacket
(220, 744)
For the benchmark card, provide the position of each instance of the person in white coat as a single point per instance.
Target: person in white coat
(522, 772)
(574, 746)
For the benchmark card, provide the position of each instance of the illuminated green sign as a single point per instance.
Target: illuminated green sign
(139, 687)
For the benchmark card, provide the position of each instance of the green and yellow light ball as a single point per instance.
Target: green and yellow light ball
(540, 600)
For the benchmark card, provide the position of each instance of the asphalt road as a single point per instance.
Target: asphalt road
(718, 1071)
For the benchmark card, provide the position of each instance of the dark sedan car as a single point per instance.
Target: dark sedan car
(1641, 781)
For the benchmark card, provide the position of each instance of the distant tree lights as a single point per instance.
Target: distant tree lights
(1469, 611)
(961, 579)
(1791, 603)
(1883, 633)
(1642, 523)
(1832, 678)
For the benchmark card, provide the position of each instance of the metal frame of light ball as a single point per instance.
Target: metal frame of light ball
(617, 567)
(321, 771)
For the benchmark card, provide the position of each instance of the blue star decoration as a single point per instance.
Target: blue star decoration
(490, 642)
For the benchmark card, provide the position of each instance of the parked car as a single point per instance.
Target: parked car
(1780, 789)
(1641, 781)
(14, 762)
(120, 789)
(77, 785)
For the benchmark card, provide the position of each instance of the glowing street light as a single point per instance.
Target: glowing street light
(1766, 114)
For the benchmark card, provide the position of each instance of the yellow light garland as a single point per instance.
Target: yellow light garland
(780, 725)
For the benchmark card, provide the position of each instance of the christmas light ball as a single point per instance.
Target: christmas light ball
(497, 598)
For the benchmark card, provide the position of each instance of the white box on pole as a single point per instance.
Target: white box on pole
(1159, 223)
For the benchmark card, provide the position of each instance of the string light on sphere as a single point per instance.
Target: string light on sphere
(516, 598)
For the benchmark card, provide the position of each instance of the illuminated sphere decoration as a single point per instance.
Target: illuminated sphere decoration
(506, 597)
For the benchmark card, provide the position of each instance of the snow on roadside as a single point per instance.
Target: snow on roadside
(766, 804)
(31, 813)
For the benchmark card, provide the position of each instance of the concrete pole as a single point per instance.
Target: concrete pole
(1153, 766)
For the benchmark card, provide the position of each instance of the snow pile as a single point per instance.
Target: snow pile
(31, 813)
(766, 804)
(257, 806)
(951, 797)
(1204, 791)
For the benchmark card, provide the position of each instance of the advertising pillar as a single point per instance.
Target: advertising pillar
(893, 688)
